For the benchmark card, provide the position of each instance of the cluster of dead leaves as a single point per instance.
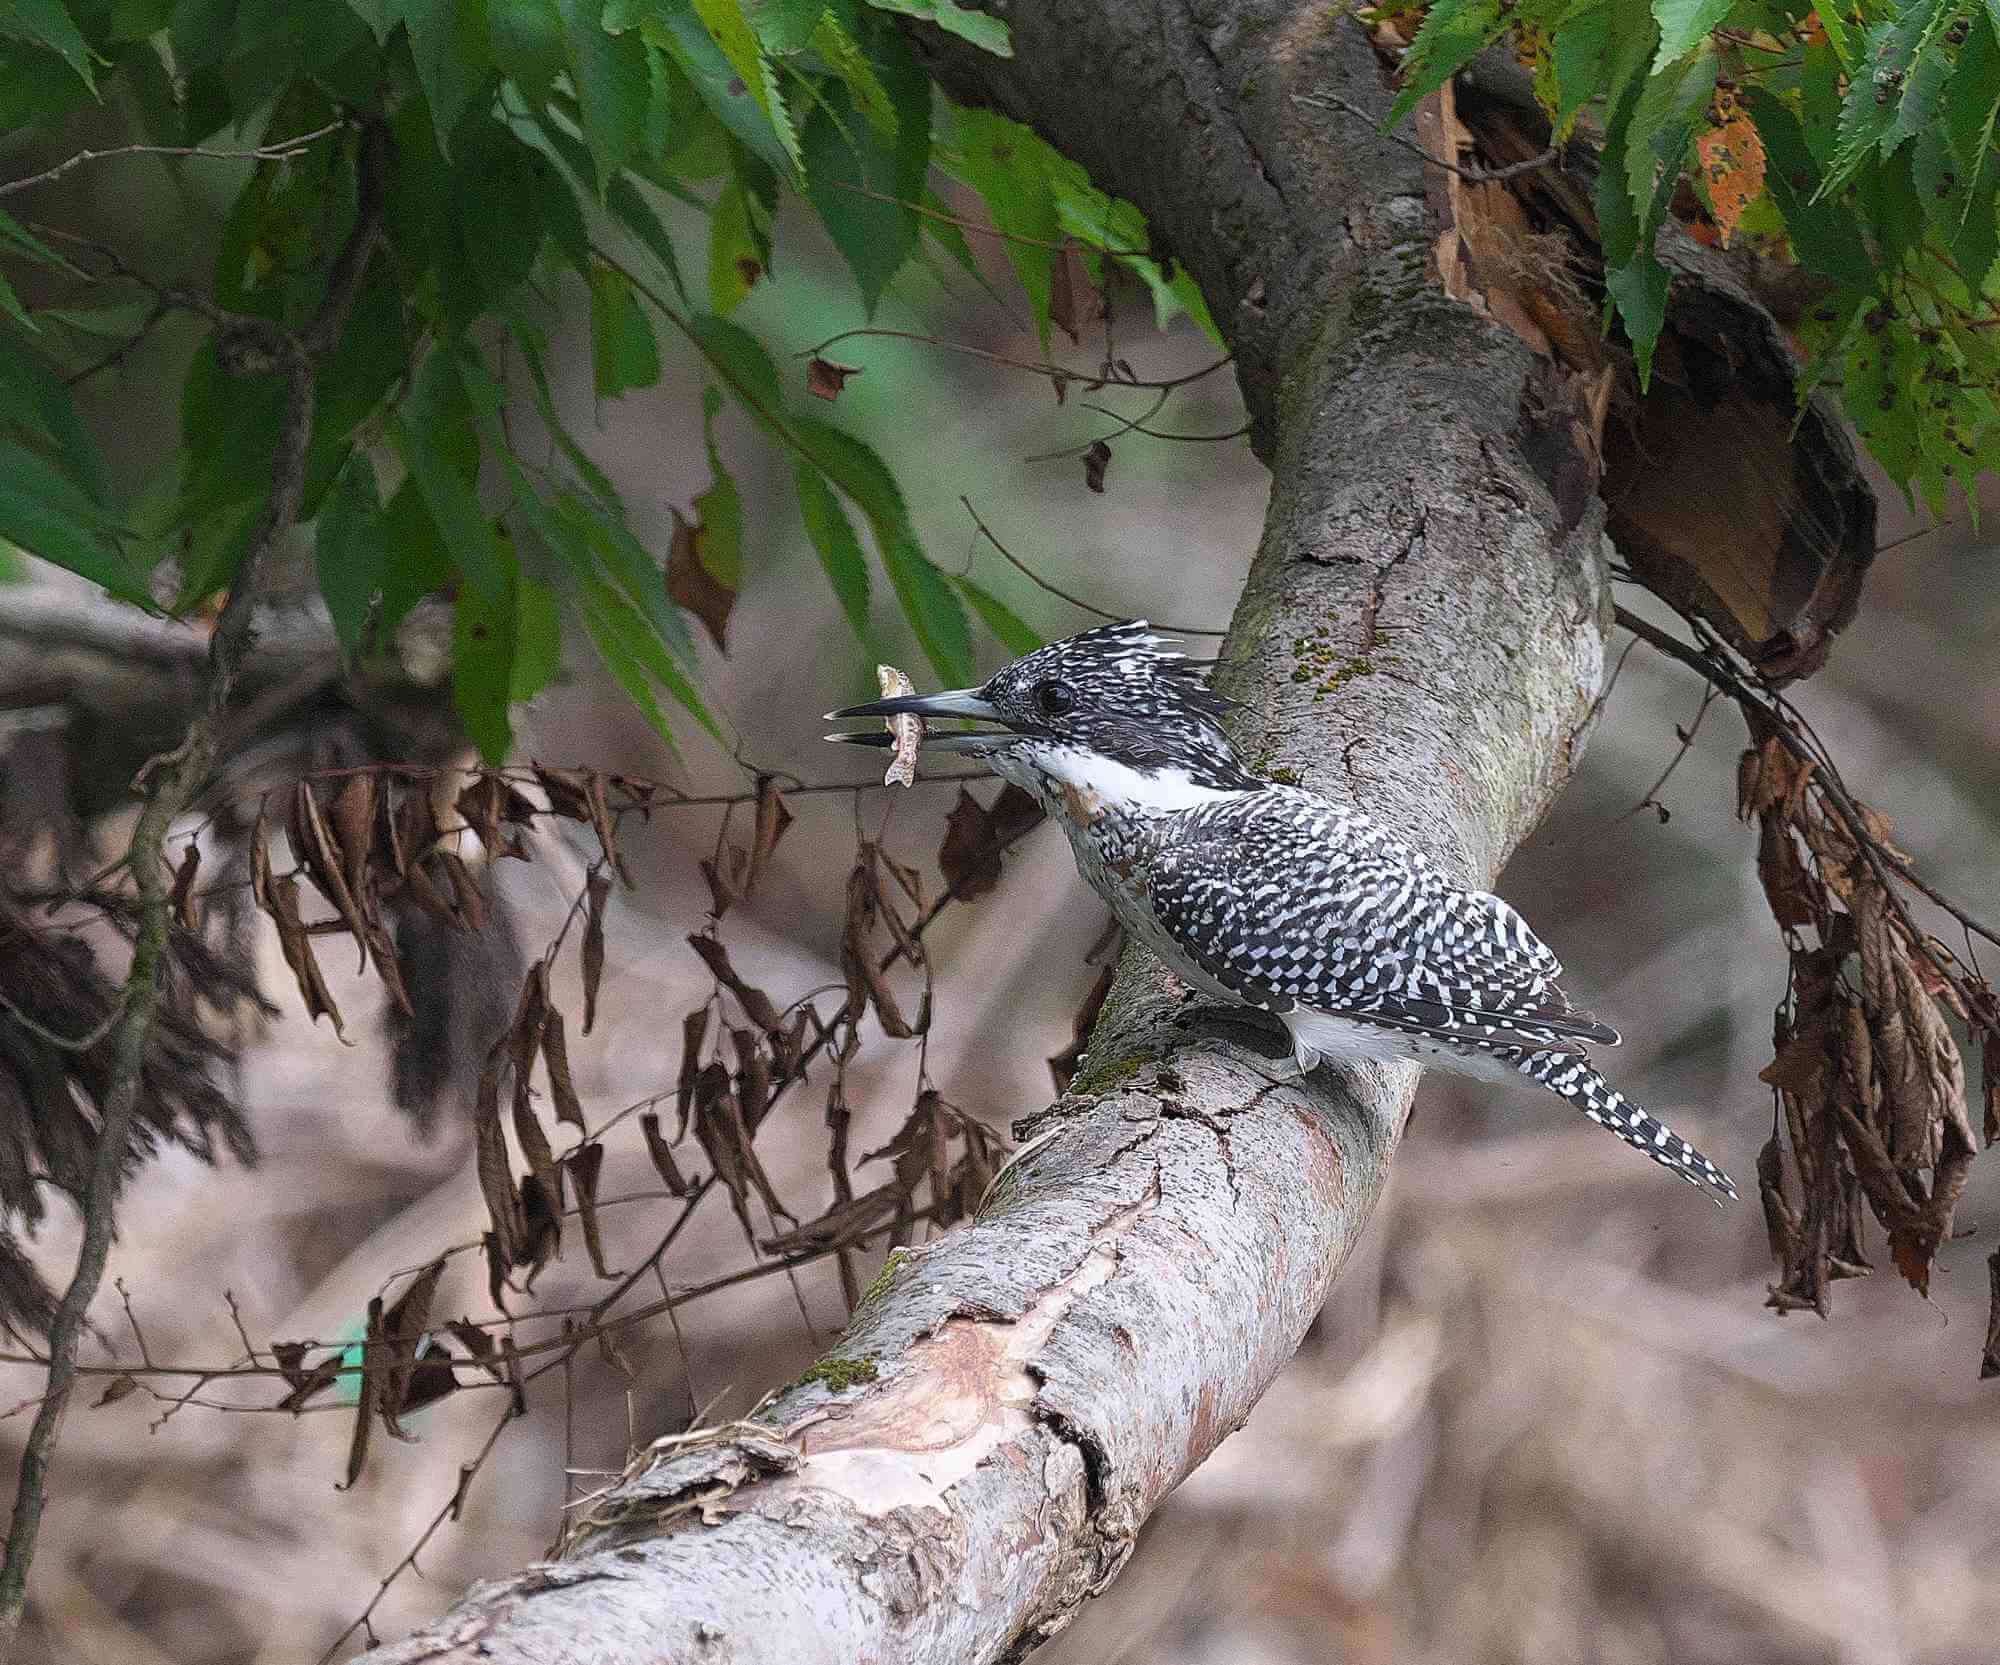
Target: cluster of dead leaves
(1869, 1074)
(373, 840)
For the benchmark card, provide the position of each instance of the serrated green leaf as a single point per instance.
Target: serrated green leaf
(1012, 631)
(636, 215)
(846, 59)
(846, 157)
(730, 29)
(927, 598)
(1961, 209)
(1640, 290)
(1972, 101)
(435, 436)
(1837, 36)
(1826, 239)
(1683, 25)
(735, 254)
(613, 87)
(537, 639)
(1878, 367)
(454, 59)
(349, 544)
(719, 509)
(736, 103)
(1453, 34)
(527, 44)
(833, 539)
(982, 29)
(482, 668)
(47, 514)
(1011, 169)
(1872, 116)
(634, 654)
(35, 402)
(739, 358)
(1661, 130)
(622, 349)
(48, 23)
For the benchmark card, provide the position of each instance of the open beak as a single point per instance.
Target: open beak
(958, 702)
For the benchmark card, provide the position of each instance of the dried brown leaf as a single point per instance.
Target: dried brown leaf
(694, 1030)
(541, 1217)
(403, 1327)
(908, 880)
(602, 823)
(524, 1040)
(181, 898)
(1989, 1360)
(562, 1085)
(466, 895)
(478, 1345)
(975, 836)
(1071, 297)
(312, 844)
(119, 1387)
(1989, 1082)
(728, 876)
(692, 586)
(597, 889)
(488, 804)
(825, 379)
(585, 1165)
(845, 1225)
(496, 1174)
(369, 1401)
(757, 1005)
(1095, 461)
(662, 1154)
(279, 901)
(773, 818)
(753, 1077)
(306, 1385)
(567, 790)
(351, 819)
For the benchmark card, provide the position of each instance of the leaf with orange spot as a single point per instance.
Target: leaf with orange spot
(1732, 166)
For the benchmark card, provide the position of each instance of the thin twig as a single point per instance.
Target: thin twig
(1476, 176)
(1077, 602)
(281, 150)
(1055, 372)
(168, 784)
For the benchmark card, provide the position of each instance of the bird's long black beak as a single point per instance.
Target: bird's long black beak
(959, 702)
(966, 703)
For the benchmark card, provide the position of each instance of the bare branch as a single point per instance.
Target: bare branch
(281, 150)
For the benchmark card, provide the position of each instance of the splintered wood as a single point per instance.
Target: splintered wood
(909, 731)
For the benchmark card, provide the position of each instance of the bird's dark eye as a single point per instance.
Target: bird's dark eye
(1054, 697)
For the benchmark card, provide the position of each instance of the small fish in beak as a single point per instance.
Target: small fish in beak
(908, 730)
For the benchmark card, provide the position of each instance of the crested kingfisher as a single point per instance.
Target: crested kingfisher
(1260, 894)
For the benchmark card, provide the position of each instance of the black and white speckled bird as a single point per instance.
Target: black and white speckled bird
(1265, 895)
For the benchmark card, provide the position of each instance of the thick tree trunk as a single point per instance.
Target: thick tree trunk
(1422, 632)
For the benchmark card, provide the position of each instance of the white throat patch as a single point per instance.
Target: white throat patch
(1087, 784)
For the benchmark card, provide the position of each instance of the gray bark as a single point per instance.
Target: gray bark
(1421, 633)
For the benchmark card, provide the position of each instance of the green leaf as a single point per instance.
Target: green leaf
(833, 539)
(434, 434)
(613, 86)
(982, 29)
(1011, 168)
(738, 357)
(47, 514)
(482, 677)
(449, 43)
(846, 156)
(48, 23)
(1972, 101)
(1580, 57)
(34, 401)
(736, 103)
(537, 639)
(731, 31)
(622, 348)
(927, 598)
(634, 655)
(719, 509)
(1873, 114)
(1640, 289)
(1661, 130)
(527, 42)
(736, 256)
(1684, 24)
(350, 545)
(636, 215)
(1825, 237)
(1453, 34)
(846, 59)
(1008, 627)
(1961, 210)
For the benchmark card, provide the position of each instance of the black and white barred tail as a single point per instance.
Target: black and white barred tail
(1573, 1078)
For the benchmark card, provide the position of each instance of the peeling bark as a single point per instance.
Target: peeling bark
(1422, 632)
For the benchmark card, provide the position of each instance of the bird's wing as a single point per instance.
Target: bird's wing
(1287, 902)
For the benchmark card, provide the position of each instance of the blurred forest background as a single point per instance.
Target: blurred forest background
(1547, 1416)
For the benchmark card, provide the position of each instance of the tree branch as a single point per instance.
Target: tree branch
(168, 784)
(1421, 631)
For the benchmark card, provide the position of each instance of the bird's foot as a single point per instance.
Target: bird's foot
(1248, 1031)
